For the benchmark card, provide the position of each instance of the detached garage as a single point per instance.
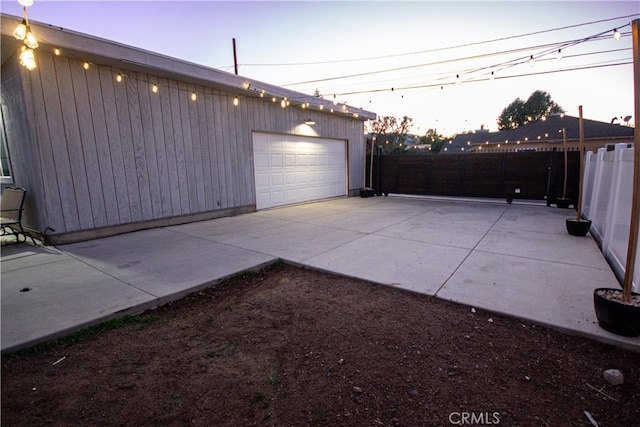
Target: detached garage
(293, 169)
(107, 138)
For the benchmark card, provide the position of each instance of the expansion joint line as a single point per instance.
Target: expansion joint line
(471, 251)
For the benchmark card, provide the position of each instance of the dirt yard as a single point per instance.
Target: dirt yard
(294, 347)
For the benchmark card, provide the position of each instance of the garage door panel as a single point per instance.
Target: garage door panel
(290, 178)
(290, 160)
(275, 160)
(262, 180)
(292, 169)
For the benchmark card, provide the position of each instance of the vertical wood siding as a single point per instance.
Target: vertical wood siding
(22, 149)
(112, 153)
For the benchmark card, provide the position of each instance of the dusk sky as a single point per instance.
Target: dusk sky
(410, 45)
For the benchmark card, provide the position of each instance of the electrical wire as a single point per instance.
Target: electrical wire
(453, 60)
(437, 49)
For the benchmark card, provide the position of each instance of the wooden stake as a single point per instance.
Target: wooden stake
(373, 145)
(566, 171)
(580, 147)
(635, 200)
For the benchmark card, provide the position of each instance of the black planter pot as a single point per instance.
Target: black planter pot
(578, 227)
(367, 192)
(563, 203)
(616, 317)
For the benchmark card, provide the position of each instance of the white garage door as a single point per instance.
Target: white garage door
(292, 169)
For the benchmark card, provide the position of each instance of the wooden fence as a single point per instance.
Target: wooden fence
(523, 175)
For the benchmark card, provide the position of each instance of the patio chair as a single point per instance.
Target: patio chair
(11, 208)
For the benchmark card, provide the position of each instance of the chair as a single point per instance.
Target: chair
(11, 208)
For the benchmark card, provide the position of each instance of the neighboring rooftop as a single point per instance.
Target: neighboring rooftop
(547, 130)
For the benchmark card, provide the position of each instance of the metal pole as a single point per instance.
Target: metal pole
(635, 201)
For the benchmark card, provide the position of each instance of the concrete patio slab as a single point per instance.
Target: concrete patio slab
(360, 220)
(63, 296)
(555, 294)
(416, 266)
(295, 242)
(17, 257)
(544, 246)
(511, 259)
(225, 228)
(165, 263)
(539, 219)
(423, 228)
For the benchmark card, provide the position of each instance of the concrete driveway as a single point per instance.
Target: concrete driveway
(515, 259)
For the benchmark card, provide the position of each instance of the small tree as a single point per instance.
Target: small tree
(390, 132)
(435, 139)
(519, 112)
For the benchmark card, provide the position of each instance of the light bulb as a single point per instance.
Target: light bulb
(321, 107)
(118, 78)
(21, 30)
(85, 65)
(559, 54)
(25, 3)
(531, 61)
(27, 58)
(616, 34)
(492, 76)
(57, 52)
(154, 88)
(30, 40)
(283, 103)
(458, 79)
(236, 101)
(194, 96)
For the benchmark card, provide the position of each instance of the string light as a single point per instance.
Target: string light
(236, 101)
(119, 77)
(57, 52)
(194, 96)
(23, 32)
(616, 34)
(154, 88)
(559, 54)
(283, 103)
(27, 58)
(492, 77)
(531, 61)
(85, 65)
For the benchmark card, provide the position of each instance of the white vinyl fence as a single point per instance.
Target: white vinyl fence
(606, 201)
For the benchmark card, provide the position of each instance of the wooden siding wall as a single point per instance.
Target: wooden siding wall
(536, 174)
(22, 149)
(112, 153)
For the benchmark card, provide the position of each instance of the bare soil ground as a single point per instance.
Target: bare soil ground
(294, 347)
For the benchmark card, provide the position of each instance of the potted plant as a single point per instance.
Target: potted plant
(618, 311)
(563, 202)
(578, 226)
